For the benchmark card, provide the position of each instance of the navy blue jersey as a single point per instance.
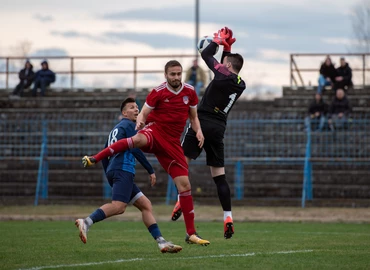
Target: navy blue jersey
(126, 160)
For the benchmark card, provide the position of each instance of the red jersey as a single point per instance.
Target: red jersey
(170, 109)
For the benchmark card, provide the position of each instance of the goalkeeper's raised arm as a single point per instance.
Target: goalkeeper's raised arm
(223, 37)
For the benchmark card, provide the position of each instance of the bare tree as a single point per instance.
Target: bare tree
(360, 18)
(22, 49)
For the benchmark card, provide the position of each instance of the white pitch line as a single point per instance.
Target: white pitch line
(239, 232)
(156, 259)
(82, 264)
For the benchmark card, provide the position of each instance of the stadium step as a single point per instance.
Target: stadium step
(309, 92)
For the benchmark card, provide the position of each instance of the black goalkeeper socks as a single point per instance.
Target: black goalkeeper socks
(223, 191)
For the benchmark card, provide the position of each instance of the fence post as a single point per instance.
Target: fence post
(171, 191)
(72, 73)
(45, 167)
(239, 180)
(135, 72)
(107, 189)
(363, 70)
(307, 171)
(291, 70)
(45, 178)
(43, 170)
(7, 73)
(39, 175)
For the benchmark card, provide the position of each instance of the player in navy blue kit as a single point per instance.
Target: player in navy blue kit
(120, 172)
(218, 99)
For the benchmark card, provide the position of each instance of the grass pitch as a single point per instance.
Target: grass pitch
(128, 245)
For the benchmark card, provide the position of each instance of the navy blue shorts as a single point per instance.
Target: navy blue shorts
(123, 187)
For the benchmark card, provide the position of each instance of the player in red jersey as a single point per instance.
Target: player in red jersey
(160, 124)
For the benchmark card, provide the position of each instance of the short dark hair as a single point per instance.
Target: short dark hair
(236, 61)
(172, 63)
(127, 100)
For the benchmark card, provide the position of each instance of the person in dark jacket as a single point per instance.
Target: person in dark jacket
(316, 113)
(327, 75)
(43, 78)
(26, 79)
(339, 111)
(343, 79)
(196, 76)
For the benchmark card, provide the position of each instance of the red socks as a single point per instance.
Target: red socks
(119, 146)
(186, 202)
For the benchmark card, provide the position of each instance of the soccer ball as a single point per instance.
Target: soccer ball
(204, 42)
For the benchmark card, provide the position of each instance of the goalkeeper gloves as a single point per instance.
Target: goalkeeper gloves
(224, 37)
(219, 39)
(227, 33)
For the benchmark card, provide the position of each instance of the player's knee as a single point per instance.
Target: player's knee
(216, 171)
(120, 207)
(139, 140)
(182, 183)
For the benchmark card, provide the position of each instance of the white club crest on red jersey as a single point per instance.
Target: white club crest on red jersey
(185, 99)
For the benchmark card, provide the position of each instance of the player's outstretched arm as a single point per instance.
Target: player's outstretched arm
(222, 37)
(141, 118)
(208, 53)
(195, 125)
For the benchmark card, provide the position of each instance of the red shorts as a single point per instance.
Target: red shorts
(167, 149)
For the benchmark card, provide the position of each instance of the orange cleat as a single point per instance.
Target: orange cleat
(228, 228)
(176, 213)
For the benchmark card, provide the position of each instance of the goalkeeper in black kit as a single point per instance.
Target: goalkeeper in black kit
(218, 100)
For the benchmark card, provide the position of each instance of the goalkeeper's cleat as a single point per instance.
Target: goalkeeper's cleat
(168, 247)
(176, 213)
(228, 228)
(81, 225)
(88, 161)
(196, 239)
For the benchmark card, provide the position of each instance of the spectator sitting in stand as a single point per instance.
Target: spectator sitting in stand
(344, 76)
(327, 75)
(339, 111)
(26, 78)
(316, 113)
(196, 76)
(43, 78)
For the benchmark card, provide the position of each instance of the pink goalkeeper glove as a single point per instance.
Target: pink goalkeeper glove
(227, 34)
(219, 38)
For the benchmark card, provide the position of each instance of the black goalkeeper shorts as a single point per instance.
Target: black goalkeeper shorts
(213, 143)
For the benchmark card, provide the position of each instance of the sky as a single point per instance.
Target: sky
(267, 32)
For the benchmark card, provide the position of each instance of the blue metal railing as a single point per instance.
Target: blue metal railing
(307, 172)
(42, 177)
(247, 142)
(265, 138)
